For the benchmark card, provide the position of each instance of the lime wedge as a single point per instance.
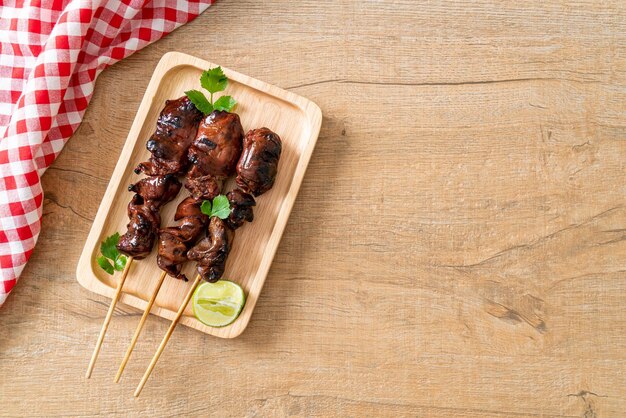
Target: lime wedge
(218, 304)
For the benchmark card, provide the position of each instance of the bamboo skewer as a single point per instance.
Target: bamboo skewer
(168, 334)
(142, 321)
(107, 319)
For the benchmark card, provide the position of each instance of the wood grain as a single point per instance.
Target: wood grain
(297, 120)
(456, 249)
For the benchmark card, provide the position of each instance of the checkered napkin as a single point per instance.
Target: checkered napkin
(51, 52)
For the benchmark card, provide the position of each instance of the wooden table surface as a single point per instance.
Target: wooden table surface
(457, 247)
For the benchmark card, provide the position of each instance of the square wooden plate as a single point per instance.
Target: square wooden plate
(295, 119)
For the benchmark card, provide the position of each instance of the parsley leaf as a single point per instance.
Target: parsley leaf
(107, 247)
(219, 208)
(201, 102)
(206, 207)
(225, 103)
(120, 262)
(105, 264)
(109, 251)
(213, 80)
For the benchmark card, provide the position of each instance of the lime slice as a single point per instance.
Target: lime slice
(218, 304)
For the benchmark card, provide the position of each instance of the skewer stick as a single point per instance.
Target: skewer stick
(142, 321)
(168, 334)
(107, 319)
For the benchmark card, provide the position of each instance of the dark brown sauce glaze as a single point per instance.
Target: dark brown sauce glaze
(177, 126)
(143, 214)
(212, 251)
(175, 241)
(241, 208)
(214, 153)
(258, 165)
(157, 188)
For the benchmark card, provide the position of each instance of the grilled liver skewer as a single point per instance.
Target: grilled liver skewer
(176, 127)
(256, 173)
(172, 249)
(212, 154)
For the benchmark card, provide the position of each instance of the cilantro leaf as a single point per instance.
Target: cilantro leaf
(109, 251)
(206, 207)
(221, 207)
(225, 103)
(107, 247)
(105, 264)
(201, 102)
(120, 262)
(213, 80)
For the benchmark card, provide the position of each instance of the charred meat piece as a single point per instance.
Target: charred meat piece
(175, 241)
(256, 169)
(217, 146)
(189, 207)
(212, 251)
(241, 208)
(176, 128)
(142, 228)
(143, 214)
(157, 188)
(171, 254)
(202, 187)
(156, 167)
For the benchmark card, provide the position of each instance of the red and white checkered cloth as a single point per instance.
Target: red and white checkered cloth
(51, 52)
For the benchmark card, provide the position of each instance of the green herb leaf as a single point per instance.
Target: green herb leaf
(120, 262)
(105, 264)
(206, 207)
(107, 247)
(201, 102)
(213, 80)
(221, 207)
(109, 251)
(225, 103)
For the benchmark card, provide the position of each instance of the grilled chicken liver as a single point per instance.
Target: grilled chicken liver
(176, 128)
(212, 251)
(175, 241)
(257, 167)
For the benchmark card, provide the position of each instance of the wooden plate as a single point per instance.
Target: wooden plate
(297, 121)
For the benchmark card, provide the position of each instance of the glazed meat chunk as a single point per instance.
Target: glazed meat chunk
(143, 213)
(257, 167)
(144, 222)
(212, 251)
(176, 128)
(175, 241)
(241, 208)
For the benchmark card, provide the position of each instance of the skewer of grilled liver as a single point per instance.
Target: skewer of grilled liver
(256, 173)
(176, 127)
(213, 250)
